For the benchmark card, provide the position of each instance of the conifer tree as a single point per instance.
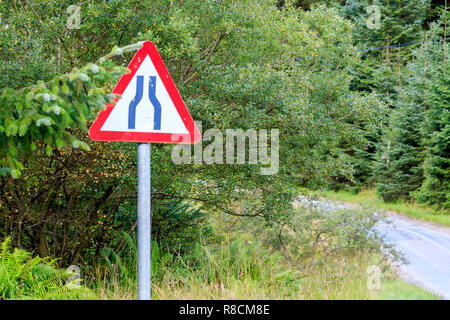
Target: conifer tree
(406, 144)
(399, 169)
(380, 24)
(436, 139)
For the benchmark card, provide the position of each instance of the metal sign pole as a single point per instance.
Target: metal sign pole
(144, 221)
(110, 127)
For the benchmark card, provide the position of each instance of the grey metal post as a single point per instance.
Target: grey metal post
(144, 222)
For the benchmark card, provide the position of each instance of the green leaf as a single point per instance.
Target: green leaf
(46, 121)
(81, 145)
(48, 150)
(19, 106)
(60, 143)
(11, 130)
(29, 96)
(65, 89)
(24, 127)
(15, 173)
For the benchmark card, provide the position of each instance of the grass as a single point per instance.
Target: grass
(397, 289)
(346, 279)
(245, 264)
(244, 269)
(369, 198)
(241, 269)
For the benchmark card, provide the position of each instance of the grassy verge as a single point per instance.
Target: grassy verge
(313, 257)
(240, 269)
(245, 266)
(397, 289)
(254, 274)
(369, 198)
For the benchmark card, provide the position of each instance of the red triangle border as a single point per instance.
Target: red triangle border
(149, 49)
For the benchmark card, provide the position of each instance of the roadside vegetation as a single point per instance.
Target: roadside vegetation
(283, 263)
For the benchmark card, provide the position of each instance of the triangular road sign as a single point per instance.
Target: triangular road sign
(150, 108)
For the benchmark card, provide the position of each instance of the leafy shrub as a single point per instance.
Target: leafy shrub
(320, 231)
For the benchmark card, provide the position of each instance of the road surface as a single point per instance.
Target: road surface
(425, 246)
(427, 249)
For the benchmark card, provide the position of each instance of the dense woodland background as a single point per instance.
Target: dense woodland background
(348, 117)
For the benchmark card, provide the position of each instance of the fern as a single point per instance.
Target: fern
(5, 248)
(23, 276)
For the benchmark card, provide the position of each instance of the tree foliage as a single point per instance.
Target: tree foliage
(234, 65)
(45, 111)
(400, 171)
(435, 189)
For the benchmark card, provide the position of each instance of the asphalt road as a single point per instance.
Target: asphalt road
(425, 246)
(427, 249)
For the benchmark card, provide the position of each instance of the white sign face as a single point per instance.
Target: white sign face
(142, 108)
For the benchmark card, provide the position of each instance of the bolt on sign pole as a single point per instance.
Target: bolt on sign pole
(144, 220)
(149, 109)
